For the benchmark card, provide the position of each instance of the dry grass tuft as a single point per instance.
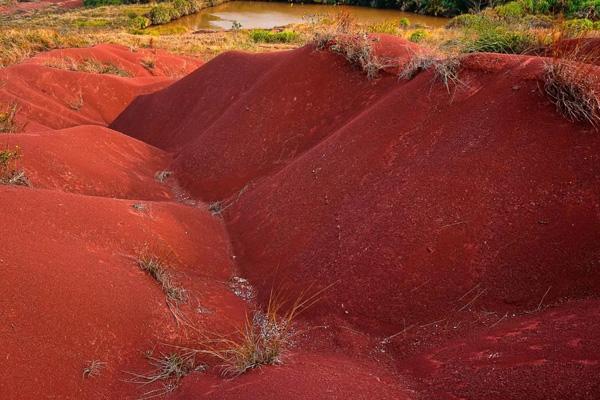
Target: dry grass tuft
(139, 207)
(77, 103)
(162, 176)
(8, 114)
(356, 48)
(345, 38)
(445, 68)
(168, 369)
(216, 208)
(263, 339)
(23, 42)
(573, 88)
(10, 174)
(93, 368)
(89, 65)
(148, 63)
(157, 269)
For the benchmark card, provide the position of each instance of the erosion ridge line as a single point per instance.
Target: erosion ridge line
(458, 239)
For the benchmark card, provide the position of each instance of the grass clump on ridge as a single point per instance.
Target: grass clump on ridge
(168, 369)
(501, 40)
(357, 49)
(93, 368)
(445, 68)
(89, 65)
(345, 38)
(9, 173)
(8, 123)
(573, 89)
(264, 337)
(157, 269)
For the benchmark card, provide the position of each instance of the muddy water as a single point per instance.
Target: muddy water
(253, 14)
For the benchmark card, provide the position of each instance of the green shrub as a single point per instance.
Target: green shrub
(139, 22)
(511, 11)
(182, 7)
(404, 23)
(501, 40)
(265, 36)
(597, 26)
(587, 9)
(166, 12)
(160, 14)
(417, 36)
(538, 6)
(467, 21)
(577, 26)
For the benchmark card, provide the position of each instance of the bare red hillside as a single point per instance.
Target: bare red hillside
(433, 212)
(72, 291)
(456, 232)
(92, 160)
(60, 98)
(427, 196)
(415, 189)
(280, 106)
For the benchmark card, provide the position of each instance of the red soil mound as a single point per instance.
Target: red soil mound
(136, 62)
(446, 205)
(400, 190)
(72, 292)
(433, 214)
(59, 98)
(92, 160)
(271, 119)
(432, 211)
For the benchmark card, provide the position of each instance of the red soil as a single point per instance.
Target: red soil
(58, 98)
(240, 110)
(72, 292)
(459, 230)
(92, 160)
(547, 355)
(303, 376)
(27, 6)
